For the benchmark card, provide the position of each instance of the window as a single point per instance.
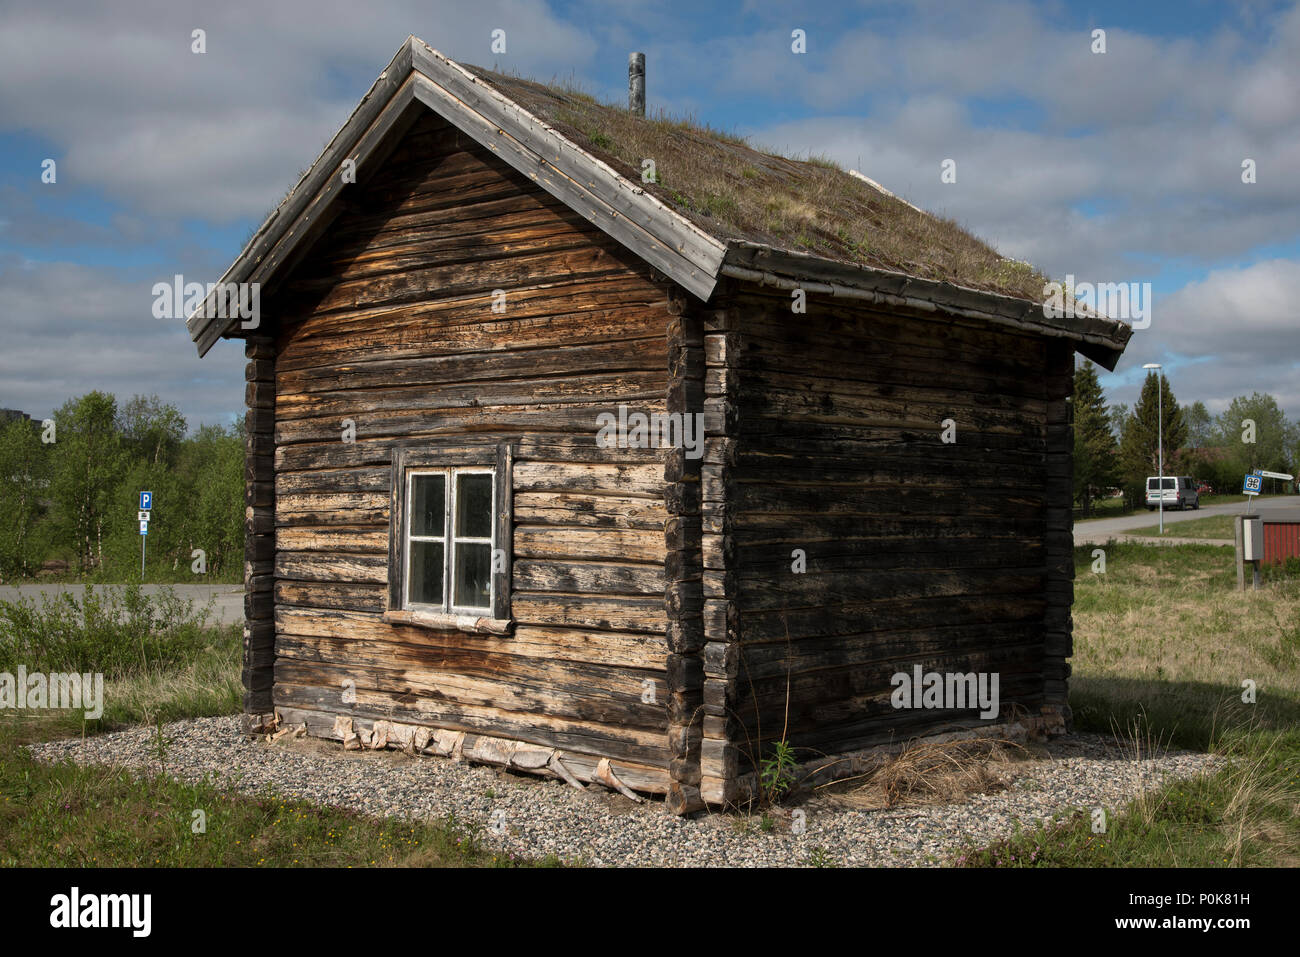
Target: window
(449, 542)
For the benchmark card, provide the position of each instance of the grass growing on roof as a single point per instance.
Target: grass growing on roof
(736, 191)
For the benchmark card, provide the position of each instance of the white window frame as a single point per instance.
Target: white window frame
(449, 540)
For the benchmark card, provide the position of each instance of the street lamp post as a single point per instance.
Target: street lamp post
(1160, 435)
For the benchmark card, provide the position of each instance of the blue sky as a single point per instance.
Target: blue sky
(1122, 166)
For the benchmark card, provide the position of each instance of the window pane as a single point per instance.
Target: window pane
(474, 506)
(425, 573)
(473, 575)
(428, 505)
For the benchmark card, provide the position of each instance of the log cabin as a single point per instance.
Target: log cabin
(450, 547)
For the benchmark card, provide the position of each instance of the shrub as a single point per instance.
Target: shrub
(119, 631)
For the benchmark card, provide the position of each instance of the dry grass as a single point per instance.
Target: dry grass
(734, 191)
(1162, 644)
(1173, 616)
(944, 772)
(1254, 795)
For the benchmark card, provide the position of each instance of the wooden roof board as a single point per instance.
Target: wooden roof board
(693, 257)
(1096, 337)
(204, 331)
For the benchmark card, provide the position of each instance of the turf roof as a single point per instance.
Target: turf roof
(736, 192)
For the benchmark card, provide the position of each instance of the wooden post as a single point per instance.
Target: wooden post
(259, 530)
(683, 566)
(1238, 535)
(1058, 552)
(719, 754)
(636, 83)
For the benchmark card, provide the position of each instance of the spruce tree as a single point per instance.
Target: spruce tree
(1095, 466)
(1140, 445)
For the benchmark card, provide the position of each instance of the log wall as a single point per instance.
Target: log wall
(259, 529)
(684, 597)
(388, 322)
(917, 552)
(1059, 543)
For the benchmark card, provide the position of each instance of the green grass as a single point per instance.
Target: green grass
(1241, 816)
(160, 656)
(61, 815)
(1164, 636)
(119, 631)
(161, 662)
(1104, 508)
(1163, 643)
(209, 684)
(1212, 526)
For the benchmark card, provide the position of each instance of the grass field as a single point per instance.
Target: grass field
(160, 656)
(66, 816)
(1211, 526)
(162, 662)
(1165, 632)
(1163, 643)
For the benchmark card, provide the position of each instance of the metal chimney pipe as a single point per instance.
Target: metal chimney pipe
(636, 83)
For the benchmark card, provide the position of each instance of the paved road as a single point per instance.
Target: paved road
(228, 603)
(1099, 530)
(228, 600)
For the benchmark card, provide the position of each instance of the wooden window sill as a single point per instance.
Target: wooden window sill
(447, 622)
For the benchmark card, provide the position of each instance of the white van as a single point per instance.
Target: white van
(1179, 492)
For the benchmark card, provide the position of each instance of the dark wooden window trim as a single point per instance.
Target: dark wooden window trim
(497, 456)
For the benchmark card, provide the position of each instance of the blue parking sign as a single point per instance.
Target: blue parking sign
(146, 500)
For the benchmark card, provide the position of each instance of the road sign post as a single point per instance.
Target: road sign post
(146, 504)
(1250, 487)
(1248, 535)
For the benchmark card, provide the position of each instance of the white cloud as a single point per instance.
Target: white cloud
(1153, 131)
(135, 113)
(69, 329)
(1244, 319)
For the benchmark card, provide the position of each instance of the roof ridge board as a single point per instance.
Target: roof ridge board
(653, 241)
(701, 243)
(260, 243)
(315, 208)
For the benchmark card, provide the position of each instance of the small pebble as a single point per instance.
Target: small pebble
(599, 828)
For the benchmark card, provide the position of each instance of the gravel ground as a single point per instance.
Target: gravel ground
(600, 828)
